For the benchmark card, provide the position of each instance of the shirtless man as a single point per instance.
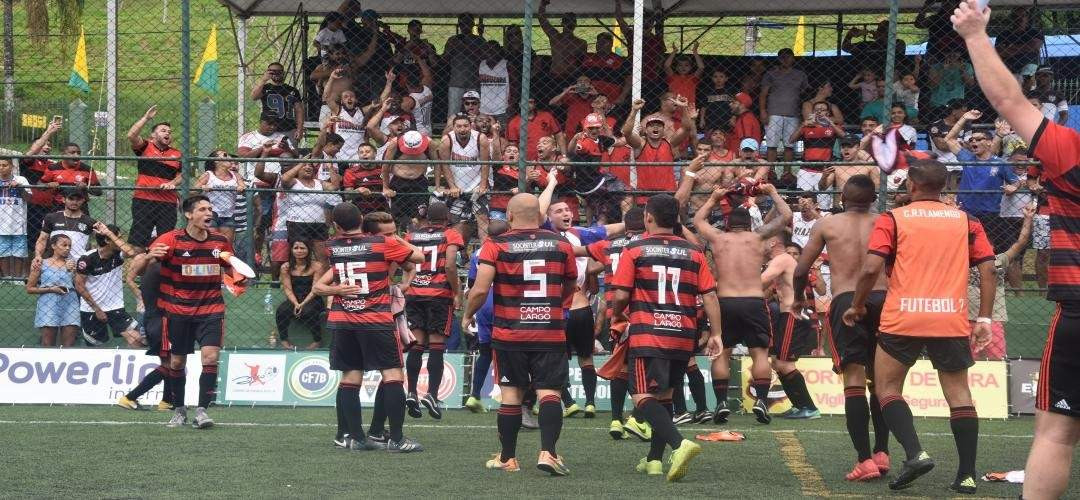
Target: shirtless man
(409, 179)
(466, 174)
(748, 153)
(567, 50)
(846, 235)
(699, 181)
(738, 256)
(835, 177)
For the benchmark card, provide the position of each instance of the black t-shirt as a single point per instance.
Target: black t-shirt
(357, 38)
(278, 102)
(150, 285)
(717, 106)
(871, 54)
(1009, 38)
(78, 229)
(940, 129)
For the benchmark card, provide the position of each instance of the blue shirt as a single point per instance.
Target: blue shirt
(983, 178)
(485, 315)
(586, 235)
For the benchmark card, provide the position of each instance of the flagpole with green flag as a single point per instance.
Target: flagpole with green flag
(206, 75)
(80, 72)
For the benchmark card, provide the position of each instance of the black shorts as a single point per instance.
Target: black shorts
(180, 333)
(429, 315)
(150, 218)
(793, 337)
(1058, 391)
(947, 354)
(536, 369)
(366, 351)
(96, 332)
(311, 231)
(854, 344)
(465, 208)
(151, 326)
(654, 375)
(745, 320)
(410, 195)
(580, 332)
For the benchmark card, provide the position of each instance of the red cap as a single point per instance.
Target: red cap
(592, 120)
(744, 98)
(413, 143)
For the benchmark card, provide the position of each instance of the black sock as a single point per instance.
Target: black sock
(618, 397)
(178, 382)
(550, 423)
(378, 413)
(435, 367)
(509, 423)
(207, 385)
(965, 428)
(656, 448)
(567, 399)
(413, 360)
(720, 390)
(348, 407)
(857, 415)
(897, 414)
(588, 381)
(167, 387)
(660, 420)
(678, 398)
(795, 387)
(669, 406)
(881, 429)
(696, 381)
(148, 382)
(394, 401)
(761, 388)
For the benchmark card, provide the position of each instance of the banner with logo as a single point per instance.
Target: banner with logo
(922, 389)
(82, 376)
(1023, 382)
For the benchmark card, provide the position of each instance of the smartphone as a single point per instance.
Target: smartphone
(64, 288)
(58, 119)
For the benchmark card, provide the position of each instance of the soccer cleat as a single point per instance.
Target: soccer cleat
(590, 411)
(528, 419)
(361, 445)
(178, 419)
(202, 420)
(682, 418)
(571, 410)
(126, 403)
(381, 441)
(406, 445)
(642, 430)
(434, 406)
(807, 414)
(164, 405)
(966, 486)
(911, 470)
(511, 465)
(701, 416)
(680, 459)
(341, 440)
(650, 467)
(883, 463)
(721, 414)
(474, 405)
(792, 412)
(761, 411)
(413, 406)
(554, 466)
(616, 430)
(864, 471)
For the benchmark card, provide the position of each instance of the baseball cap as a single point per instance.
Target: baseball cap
(74, 192)
(1044, 69)
(744, 98)
(369, 14)
(592, 120)
(413, 143)
(956, 104)
(471, 94)
(653, 118)
(849, 141)
(748, 143)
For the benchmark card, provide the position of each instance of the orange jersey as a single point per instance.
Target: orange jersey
(929, 247)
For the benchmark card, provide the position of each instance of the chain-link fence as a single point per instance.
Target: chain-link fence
(401, 111)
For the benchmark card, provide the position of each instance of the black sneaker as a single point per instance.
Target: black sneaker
(720, 416)
(413, 406)
(406, 445)
(912, 470)
(682, 418)
(964, 485)
(361, 445)
(701, 416)
(434, 406)
(380, 441)
(341, 440)
(761, 411)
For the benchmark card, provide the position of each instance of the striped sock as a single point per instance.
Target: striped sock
(965, 428)
(857, 416)
(509, 423)
(901, 423)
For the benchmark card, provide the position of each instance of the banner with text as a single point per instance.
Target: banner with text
(1023, 382)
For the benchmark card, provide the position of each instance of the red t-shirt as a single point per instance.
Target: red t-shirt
(684, 85)
(622, 155)
(656, 177)
(577, 108)
(746, 125)
(81, 174)
(154, 173)
(818, 143)
(542, 124)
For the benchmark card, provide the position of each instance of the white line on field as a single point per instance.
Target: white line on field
(454, 426)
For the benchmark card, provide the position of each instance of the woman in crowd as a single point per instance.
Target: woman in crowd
(222, 185)
(301, 304)
(58, 304)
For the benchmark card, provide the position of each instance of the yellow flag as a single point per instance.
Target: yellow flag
(80, 72)
(799, 47)
(206, 75)
(617, 46)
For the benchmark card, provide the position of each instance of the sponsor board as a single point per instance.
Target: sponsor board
(82, 376)
(1023, 382)
(922, 389)
(254, 377)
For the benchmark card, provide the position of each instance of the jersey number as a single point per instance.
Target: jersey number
(348, 274)
(662, 274)
(614, 263)
(540, 278)
(434, 252)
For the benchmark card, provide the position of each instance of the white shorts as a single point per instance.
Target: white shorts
(808, 181)
(1040, 232)
(779, 130)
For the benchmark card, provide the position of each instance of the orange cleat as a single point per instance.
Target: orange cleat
(864, 471)
(510, 465)
(882, 460)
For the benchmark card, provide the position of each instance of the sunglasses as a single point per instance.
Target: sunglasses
(471, 103)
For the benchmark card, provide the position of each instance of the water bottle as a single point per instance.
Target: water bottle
(268, 303)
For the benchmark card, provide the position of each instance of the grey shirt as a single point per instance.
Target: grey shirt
(785, 91)
(464, 52)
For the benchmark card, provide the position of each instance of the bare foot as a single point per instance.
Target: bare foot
(314, 345)
(285, 344)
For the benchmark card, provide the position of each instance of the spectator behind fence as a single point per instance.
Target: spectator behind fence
(330, 34)
(715, 104)
(327, 146)
(866, 82)
(819, 135)
(14, 196)
(242, 238)
(539, 123)
(1020, 46)
(221, 183)
(301, 305)
(418, 83)
(406, 184)
(153, 205)
(416, 49)
(824, 93)
(99, 281)
(467, 177)
(871, 52)
(780, 104)
(462, 54)
(281, 102)
(1040, 234)
(349, 122)
(833, 178)
(1053, 105)
(652, 51)
(683, 73)
(1012, 211)
(607, 70)
(505, 180)
(906, 89)
(370, 44)
(577, 99)
(746, 124)
(33, 168)
(304, 206)
(949, 80)
(366, 180)
(941, 39)
(263, 142)
(898, 118)
(955, 110)
(57, 311)
(72, 222)
(494, 81)
(1003, 261)
(656, 147)
(567, 50)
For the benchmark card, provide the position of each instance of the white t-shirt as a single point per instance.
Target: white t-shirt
(466, 174)
(425, 100)
(255, 140)
(494, 88)
(104, 280)
(306, 203)
(327, 37)
(351, 128)
(909, 97)
(13, 206)
(800, 228)
(222, 194)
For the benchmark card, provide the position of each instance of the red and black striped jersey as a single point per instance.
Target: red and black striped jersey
(154, 173)
(364, 260)
(607, 253)
(531, 267)
(430, 280)
(191, 273)
(1058, 148)
(664, 274)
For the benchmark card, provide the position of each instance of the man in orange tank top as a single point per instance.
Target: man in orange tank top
(928, 247)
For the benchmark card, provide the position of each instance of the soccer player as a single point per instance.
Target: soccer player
(846, 235)
(657, 281)
(433, 296)
(148, 290)
(100, 285)
(533, 274)
(739, 259)
(930, 246)
(483, 320)
(362, 323)
(191, 268)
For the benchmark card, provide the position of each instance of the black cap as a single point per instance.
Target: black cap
(74, 192)
(956, 104)
(849, 141)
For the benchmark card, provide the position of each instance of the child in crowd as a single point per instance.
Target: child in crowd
(866, 83)
(13, 198)
(684, 74)
(331, 34)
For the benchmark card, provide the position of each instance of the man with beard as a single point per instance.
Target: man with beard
(280, 101)
(153, 205)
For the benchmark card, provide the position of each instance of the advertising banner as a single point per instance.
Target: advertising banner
(1023, 381)
(82, 376)
(922, 389)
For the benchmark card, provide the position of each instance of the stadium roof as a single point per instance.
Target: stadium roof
(513, 8)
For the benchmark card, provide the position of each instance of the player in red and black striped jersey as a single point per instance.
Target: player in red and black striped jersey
(364, 334)
(657, 283)
(533, 275)
(430, 301)
(192, 261)
(153, 206)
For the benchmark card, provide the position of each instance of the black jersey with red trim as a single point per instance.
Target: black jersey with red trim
(430, 281)
(1058, 148)
(153, 173)
(191, 273)
(607, 252)
(364, 260)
